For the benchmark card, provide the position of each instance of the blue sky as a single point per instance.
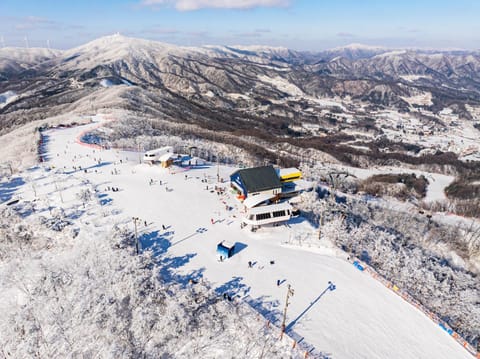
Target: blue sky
(297, 24)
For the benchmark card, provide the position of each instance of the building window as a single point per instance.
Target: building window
(279, 213)
(262, 216)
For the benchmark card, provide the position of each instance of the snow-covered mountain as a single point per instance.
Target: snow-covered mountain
(15, 60)
(181, 69)
(257, 53)
(354, 51)
(265, 88)
(110, 49)
(235, 69)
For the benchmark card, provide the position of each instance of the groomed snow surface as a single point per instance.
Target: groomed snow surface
(360, 318)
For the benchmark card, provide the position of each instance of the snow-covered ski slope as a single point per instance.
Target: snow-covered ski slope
(360, 318)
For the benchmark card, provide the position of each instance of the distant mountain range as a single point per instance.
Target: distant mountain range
(211, 85)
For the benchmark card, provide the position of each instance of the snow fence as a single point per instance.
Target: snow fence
(364, 267)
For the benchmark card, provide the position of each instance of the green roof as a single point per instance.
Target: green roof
(258, 179)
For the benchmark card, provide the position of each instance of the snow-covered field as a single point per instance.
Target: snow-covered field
(360, 318)
(282, 85)
(436, 182)
(424, 99)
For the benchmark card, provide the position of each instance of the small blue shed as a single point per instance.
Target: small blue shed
(225, 250)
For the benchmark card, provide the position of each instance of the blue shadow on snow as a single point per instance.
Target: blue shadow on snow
(159, 244)
(239, 246)
(7, 189)
(330, 287)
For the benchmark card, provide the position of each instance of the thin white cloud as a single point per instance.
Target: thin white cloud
(249, 34)
(159, 31)
(198, 33)
(189, 5)
(255, 33)
(345, 34)
(33, 22)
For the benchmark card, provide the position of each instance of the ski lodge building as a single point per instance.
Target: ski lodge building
(255, 181)
(264, 192)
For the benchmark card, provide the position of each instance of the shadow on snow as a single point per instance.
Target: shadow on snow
(268, 308)
(7, 189)
(234, 288)
(159, 243)
(330, 287)
(43, 153)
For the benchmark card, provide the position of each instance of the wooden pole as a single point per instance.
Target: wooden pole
(289, 294)
(135, 219)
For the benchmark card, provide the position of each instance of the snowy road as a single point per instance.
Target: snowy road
(359, 319)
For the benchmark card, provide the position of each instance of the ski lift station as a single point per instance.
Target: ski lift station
(254, 181)
(264, 191)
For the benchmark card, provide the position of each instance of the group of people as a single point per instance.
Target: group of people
(152, 182)
(219, 190)
(272, 262)
(113, 189)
